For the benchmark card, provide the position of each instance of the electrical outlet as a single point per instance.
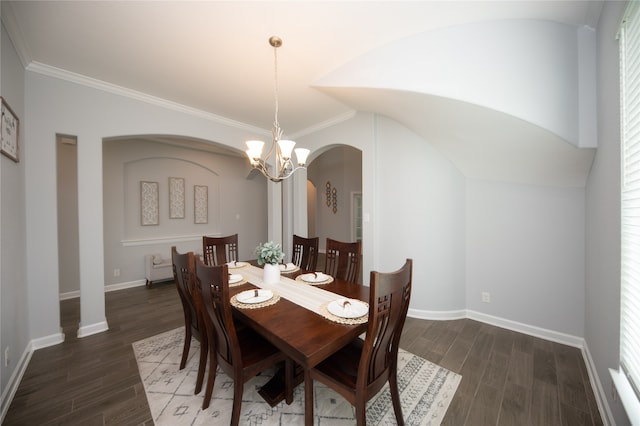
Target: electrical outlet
(6, 356)
(116, 272)
(486, 297)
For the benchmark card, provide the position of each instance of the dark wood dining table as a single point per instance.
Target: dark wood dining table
(305, 336)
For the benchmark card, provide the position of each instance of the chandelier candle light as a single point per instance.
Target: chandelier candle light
(280, 147)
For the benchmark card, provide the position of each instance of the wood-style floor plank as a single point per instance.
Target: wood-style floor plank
(508, 378)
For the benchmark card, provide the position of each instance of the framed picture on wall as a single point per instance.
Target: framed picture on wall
(149, 211)
(201, 204)
(176, 198)
(9, 132)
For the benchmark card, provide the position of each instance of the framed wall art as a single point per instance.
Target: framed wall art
(201, 204)
(176, 198)
(9, 132)
(149, 211)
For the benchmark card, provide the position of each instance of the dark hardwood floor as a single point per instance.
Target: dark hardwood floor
(507, 378)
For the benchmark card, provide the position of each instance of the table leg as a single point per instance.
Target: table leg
(308, 399)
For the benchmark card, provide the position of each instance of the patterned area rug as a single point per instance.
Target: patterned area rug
(426, 391)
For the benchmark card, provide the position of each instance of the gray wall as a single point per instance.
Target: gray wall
(602, 283)
(341, 166)
(236, 204)
(15, 310)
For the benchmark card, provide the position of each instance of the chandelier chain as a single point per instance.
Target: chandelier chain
(275, 86)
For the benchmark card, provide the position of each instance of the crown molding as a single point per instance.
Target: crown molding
(15, 34)
(83, 80)
(324, 124)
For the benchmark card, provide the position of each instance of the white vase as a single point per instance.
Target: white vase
(271, 274)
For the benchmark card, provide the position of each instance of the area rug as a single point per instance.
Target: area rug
(426, 390)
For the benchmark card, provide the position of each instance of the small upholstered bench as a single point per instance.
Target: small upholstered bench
(157, 268)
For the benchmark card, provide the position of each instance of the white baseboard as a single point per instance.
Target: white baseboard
(122, 286)
(88, 330)
(46, 341)
(107, 288)
(554, 336)
(598, 389)
(437, 315)
(14, 381)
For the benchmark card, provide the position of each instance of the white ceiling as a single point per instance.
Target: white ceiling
(214, 55)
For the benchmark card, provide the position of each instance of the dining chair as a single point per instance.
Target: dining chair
(240, 352)
(219, 250)
(184, 277)
(305, 252)
(342, 260)
(360, 369)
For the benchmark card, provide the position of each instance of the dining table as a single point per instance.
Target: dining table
(297, 320)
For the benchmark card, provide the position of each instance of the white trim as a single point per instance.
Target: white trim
(554, 336)
(111, 287)
(530, 330)
(437, 315)
(14, 381)
(91, 329)
(69, 295)
(164, 240)
(83, 80)
(598, 390)
(46, 341)
(129, 284)
(627, 395)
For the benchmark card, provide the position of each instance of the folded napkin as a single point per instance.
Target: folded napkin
(287, 267)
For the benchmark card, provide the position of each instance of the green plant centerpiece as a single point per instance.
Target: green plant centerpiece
(269, 253)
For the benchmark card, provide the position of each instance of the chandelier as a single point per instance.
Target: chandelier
(281, 148)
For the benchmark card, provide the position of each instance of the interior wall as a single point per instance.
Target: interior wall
(67, 189)
(14, 302)
(91, 115)
(338, 170)
(525, 247)
(420, 209)
(602, 295)
(235, 204)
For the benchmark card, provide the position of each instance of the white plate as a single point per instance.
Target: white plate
(288, 267)
(234, 265)
(318, 277)
(354, 309)
(234, 278)
(249, 296)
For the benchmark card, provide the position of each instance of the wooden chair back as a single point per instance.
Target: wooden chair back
(184, 277)
(214, 286)
(342, 260)
(305, 252)
(389, 298)
(219, 250)
(239, 351)
(361, 368)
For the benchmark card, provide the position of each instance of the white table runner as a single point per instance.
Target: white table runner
(307, 296)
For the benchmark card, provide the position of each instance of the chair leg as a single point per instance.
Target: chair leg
(308, 398)
(238, 388)
(211, 379)
(202, 364)
(187, 345)
(361, 412)
(395, 398)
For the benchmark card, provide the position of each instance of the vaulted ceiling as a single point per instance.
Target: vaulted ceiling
(214, 56)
